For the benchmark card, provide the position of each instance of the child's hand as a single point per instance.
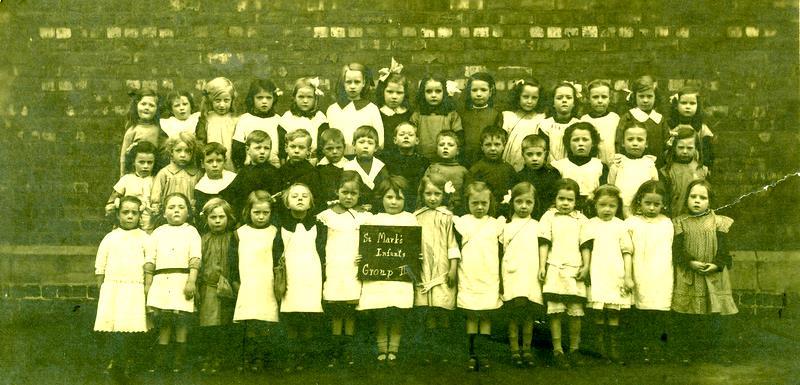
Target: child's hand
(628, 285)
(583, 273)
(451, 278)
(188, 290)
(542, 273)
(697, 266)
(709, 268)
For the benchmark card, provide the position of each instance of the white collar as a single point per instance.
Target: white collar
(642, 116)
(214, 186)
(368, 179)
(339, 164)
(391, 112)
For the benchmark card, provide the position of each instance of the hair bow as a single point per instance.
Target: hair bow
(278, 92)
(315, 82)
(131, 147)
(507, 197)
(674, 98)
(519, 82)
(116, 203)
(452, 88)
(628, 94)
(394, 67)
(577, 87)
(333, 202)
(274, 197)
(449, 188)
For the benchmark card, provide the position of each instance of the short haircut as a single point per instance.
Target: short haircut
(257, 136)
(299, 133)
(568, 185)
(348, 176)
(449, 134)
(215, 148)
(139, 147)
(406, 123)
(172, 96)
(493, 132)
(395, 183)
(480, 76)
(366, 132)
(586, 126)
(329, 135)
(476, 187)
(535, 140)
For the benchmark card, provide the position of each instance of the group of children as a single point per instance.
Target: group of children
(255, 219)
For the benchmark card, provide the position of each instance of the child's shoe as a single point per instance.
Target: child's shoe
(391, 358)
(180, 354)
(561, 360)
(472, 364)
(528, 358)
(516, 358)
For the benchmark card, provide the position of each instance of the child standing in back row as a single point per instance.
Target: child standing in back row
(260, 101)
(602, 119)
(217, 122)
(392, 95)
(562, 114)
(642, 102)
(304, 113)
(478, 113)
(141, 125)
(437, 113)
(523, 120)
(352, 108)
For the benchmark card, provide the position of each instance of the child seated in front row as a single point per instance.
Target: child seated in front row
(404, 159)
(448, 147)
(563, 268)
(216, 177)
(491, 168)
(372, 170)
(537, 172)
(260, 174)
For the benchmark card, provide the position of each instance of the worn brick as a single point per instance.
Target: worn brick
(113, 32)
(63, 33)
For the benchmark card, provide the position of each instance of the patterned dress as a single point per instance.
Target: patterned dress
(439, 247)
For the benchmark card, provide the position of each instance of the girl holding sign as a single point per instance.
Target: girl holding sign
(389, 300)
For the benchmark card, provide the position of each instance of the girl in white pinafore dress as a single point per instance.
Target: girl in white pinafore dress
(302, 251)
(479, 270)
(342, 287)
(652, 233)
(256, 305)
(388, 301)
(519, 270)
(610, 268)
(119, 269)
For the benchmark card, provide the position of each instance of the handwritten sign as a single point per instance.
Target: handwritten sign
(389, 253)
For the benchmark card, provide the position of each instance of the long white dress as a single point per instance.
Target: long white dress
(520, 266)
(256, 298)
(341, 251)
(652, 261)
(607, 267)
(479, 270)
(172, 247)
(385, 294)
(303, 270)
(121, 305)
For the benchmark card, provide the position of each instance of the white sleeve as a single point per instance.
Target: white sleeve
(101, 260)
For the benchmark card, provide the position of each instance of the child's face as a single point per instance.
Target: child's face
(259, 151)
(599, 97)
(645, 100)
(447, 148)
(635, 141)
(259, 214)
(432, 196)
(698, 199)
(564, 101)
(535, 157)
(146, 108)
(565, 201)
(128, 215)
(262, 101)
(580, 143)
(394, 94)
(364, 147)
(333, 150)
(492, 147)
(213, 163)
(297, 149)
(393, 202)
(181, 154)
(348, 194)
(406, 137)
(606, 207)
(651, 205)
(685, 149)
(434, 93)
(480, 92)
(305, 99)
(353, 84)
(143, 164)
(299, 199)
(222, 103)
(176, 211)
(528, 98)
(687, 105)
(181, 108)
(479, 203)
(523, 205)
(217, 220)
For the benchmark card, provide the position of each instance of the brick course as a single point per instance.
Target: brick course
(69, 64)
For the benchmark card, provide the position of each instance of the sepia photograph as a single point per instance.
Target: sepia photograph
(400, 192)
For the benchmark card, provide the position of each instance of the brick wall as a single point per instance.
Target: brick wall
(67, 67)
